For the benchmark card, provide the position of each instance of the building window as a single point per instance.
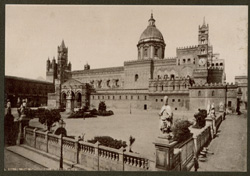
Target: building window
(120, 97)
(159, 77)
(98, 97)
(194, 61)
(189, 59)
(126, 97)
(173, 87)
(138, 97)
(102, 97)
(93, 97)
(221, 64)
(113, 97)
(175, 108)
(145, 52)
(199, 93)
(162, 87)
(156, 100)
(172, 76)
(136, 77)
(217, 64)
(131, 97)
(184, 60)
(212, 93)
(173, 100)
(212, 64)
(161, 100)
(229, 104)
(108, 97)
(145, 97)
(156, 52)
(179, 100)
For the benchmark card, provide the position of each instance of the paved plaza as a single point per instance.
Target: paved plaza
(143, 125)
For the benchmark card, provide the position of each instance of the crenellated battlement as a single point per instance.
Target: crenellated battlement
(218, 68)
(187, 47)
(213, 85)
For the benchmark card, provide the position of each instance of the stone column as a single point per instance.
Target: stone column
(164, 154)
(70, 104)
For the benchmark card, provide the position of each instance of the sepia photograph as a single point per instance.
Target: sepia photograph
(126, 88)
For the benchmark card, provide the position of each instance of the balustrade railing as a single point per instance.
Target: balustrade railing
(86, 147)
(135, 160)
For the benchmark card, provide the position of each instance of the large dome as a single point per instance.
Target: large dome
(151, 33)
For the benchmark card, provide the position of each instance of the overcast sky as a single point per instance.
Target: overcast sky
(106, 36)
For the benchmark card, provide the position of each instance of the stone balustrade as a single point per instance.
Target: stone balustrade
(97, 157)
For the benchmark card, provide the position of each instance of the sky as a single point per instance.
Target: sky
(106, 36)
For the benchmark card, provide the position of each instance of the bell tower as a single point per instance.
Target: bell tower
(204, 52)
(62, 62)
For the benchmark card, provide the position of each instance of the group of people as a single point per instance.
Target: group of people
(9, 119)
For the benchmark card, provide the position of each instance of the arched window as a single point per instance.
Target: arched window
(212, 93)
(136, 77)
(162, 88)
(108, 83)
(156, 52)
(145, 52)
(199, 93)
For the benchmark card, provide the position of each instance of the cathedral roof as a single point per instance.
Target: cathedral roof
(151, 33)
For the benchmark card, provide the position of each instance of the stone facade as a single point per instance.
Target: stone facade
(142, 83)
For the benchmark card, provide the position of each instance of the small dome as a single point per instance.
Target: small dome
(151, 33)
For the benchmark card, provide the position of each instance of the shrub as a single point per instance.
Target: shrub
(49, 117)
(200, 118)
(94, 112)
(109, 142)
(102, 106)
(180, 130)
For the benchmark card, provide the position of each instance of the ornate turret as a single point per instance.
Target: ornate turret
(48, 64)
(86, 66)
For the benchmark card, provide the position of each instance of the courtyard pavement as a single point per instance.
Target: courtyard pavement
(143, 125)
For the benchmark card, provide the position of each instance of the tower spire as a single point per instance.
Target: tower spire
(204, 21)
(151, 21)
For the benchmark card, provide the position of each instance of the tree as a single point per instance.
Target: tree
(102, 106)
(49, 117)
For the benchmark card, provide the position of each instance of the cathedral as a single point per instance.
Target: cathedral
(191, 79)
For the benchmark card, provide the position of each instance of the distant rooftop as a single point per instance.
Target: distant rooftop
(27, 79)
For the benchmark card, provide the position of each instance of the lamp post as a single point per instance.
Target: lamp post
(62, 125)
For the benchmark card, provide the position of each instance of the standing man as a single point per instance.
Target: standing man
(166, 117)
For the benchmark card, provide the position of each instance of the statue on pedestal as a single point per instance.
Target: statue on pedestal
(166, 118)
(221, 108)
(211, 110)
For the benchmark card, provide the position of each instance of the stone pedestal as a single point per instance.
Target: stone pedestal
(211, 122)
(23, 122)
(164, 154)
